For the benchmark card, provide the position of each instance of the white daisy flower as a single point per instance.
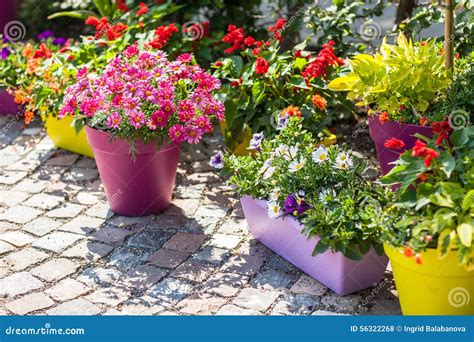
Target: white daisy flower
(296, 165)
(320, 154)
(282, 150)
(292, 152)
(268, 172)
(274, 195)
(273, 210)
(343, 161)
(326, 194)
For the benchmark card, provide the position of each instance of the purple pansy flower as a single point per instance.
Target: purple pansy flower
(5, 52)
(45, 35)
(257, 139)
(294, 203)
(217, 161)
(59, 41)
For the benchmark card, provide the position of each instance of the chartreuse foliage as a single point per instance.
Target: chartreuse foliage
(407, 74)
(438, 212)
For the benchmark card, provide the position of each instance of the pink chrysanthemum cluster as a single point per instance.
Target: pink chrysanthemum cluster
(143, 90)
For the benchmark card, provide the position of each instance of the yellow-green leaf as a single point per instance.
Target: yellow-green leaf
(465, 234)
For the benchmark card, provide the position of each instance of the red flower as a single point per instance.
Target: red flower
(403, 107)
(114, 32)
(121, 6)
(256, 51)
(42, 51)
(394, 144)
(423, 121)
(418, 259)
(162, 35)
(442, 129)
(277, 28)
(408, 251)
(280, 23)
(235, 37)
(143, 9)
(383, 117)
(218, 64)
(319, 66)
(92, 21)
(261, 66)
(423, 177)
(421, 150)
(249, 41)
(236, 83)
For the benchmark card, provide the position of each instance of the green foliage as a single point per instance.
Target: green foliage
(439, 212)
(406, 75)
(344, 206)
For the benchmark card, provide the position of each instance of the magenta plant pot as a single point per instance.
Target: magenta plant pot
(139, 187)
(283, 236)
(7, 104)
(392, 129)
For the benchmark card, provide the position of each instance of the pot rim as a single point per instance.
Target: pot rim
(372, 117)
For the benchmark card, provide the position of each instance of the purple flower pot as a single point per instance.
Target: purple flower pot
(283, 236)
(381, 132)
(7, 105)
(139, 187)
(7, 12)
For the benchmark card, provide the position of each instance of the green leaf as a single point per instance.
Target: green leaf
(459, 138)
(79, 14)
(353, 252)
(298, 81)
(320, 247)
(464, 231)
(468, 201)
(258, 92)
(448, 163)
(441, 200)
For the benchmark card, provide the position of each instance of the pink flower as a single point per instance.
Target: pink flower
(159, 118)
(131, 51)
(132, 104)
(168, 107)
(186, 110)
(176, 133)
(136, 119)
(185, 58)
(193, 134)
(114, 120)
(203, 123)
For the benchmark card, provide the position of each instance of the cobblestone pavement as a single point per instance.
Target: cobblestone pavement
(63, 252)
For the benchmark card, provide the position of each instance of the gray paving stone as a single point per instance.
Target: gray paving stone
(225, 241)
(168, 258)
(56, 241)
(225, 284)
(308, 285)
(111, 235)
(11, 198)
(6, 248)
(87, 198)
(55, 269)
(20, 214)
(270, 279)
(193, 270)
(168, 222)
(244, 264)
(142, 277)
(171, 290)
(99, 276)
(100, 210)
(200, 305)
(17, 238)
(111, 296)
(255, 299)
(185, 242)
(62, 159)
(43, 201)
(76, 307)
(19, 283)
(10, 177)
(82, 224)
(216, 211)
(7, 226)
(129, 257)
(127, 221)
(79, 174)
(232, 310)
(149, 238)
(233, 225)
(30, 303)
(347, 303)
(88, 250)
(32, 186)
(291, 304)
(212, 255)
(68, 210)
(24, 258)
(41, 226)
(140, 306)
(67, 289)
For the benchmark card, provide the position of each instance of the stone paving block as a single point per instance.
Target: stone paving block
(11, 177)
(76, 307)
(291, 304)
(168, 258)
(99, 276)
(111, 296)
(347, 303)
(149, 238)
(244, 264)
(32, 186)
(87, 198)
(88, 250)
(20, 214)
(79, 174)
(111, 235)
(68, 210)
(129, 257)
(82, 224)
(232, 310)
(193, 270)
(212, 255)
(57, 241)
(225, 284)
(199, 225)
(185, 242)
(19, 283)
(186, 191)
(270, 279)
(140, 306)
(6, 248)
(86, 162)
(55, 269)
(100, 210)
(216, 211)
(326, 313)
(142, 277)
(67, 289)
(278, 263)
(225, 241)
(17, 238)
(308, 285)
(41, 226)
(381, 307)
(233, 226)
(29, 303)
(7, 226)
(43, 201)
(62, 159)
(11, 198)
(200, 305)
(186, 207)
(171, 290)
(127, 221)
(168, 222)
(24, 258)
(255, 299)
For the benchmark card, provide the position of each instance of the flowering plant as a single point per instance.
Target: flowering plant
(263, 85)
(400, 82)
(323, 187)
(434, 205)
(140, 95)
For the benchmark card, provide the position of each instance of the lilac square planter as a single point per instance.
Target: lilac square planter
(283, 236)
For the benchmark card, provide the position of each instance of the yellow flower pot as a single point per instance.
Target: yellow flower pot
(436, 287)
(64, 136)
